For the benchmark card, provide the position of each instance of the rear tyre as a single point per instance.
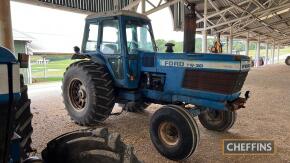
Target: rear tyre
(287, 61)
(23, 118)
(88, 92)
(136, 106)
(89, 146)
(217, 120)
(174, 132)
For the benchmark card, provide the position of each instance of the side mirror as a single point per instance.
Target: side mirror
(78, 54)
(77, 50)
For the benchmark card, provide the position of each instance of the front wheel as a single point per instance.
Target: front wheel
(217, 120)
(174, 132)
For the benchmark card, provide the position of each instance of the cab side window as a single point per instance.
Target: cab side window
(110, 43)
(92, 41)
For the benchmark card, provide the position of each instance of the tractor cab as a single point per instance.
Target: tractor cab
(116, 39)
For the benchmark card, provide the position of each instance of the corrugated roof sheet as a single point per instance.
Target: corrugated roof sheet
(268, 18)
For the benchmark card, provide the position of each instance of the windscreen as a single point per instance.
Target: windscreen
(139, 37)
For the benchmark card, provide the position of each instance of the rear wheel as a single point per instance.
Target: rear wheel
(287, 61)
(217, 120)
(89, 146)
(88, 92)
(174, 132)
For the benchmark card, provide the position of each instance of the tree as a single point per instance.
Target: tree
(160, 43)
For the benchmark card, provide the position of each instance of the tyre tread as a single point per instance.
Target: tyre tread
(102, 83)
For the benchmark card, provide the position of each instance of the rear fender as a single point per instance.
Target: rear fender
(94, 56)
(99, 59)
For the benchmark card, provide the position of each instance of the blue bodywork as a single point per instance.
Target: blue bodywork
(7, 58)
(173, 89)
(169, 68)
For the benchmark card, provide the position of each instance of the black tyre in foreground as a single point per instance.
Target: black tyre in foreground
(23, 118)
(217, 120)
(287, 61)
(89, 146)
(174, 132)
(88, 92)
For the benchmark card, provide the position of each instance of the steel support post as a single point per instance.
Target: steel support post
(143, 6)
(247, 45)
(258, 52)
(6, 36)
(267, 53)
(273, 52)
(278, 57)
(231, 41)
(143, 32)
(189, 29)
(227, 44)
(204, 32)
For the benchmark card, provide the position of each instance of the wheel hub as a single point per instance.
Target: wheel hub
(77, 94)
(82, 92)
(168, 134)
(214, 115)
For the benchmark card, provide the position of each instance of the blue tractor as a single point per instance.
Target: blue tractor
(119, 63)
(15, 115)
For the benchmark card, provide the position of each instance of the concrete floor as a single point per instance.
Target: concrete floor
(266, 116)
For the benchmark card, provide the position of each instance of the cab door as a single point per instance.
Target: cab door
(138, 40)
(132, 57)
(110, 47)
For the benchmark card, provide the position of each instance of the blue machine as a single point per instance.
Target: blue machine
(120, 63)
(9, 95)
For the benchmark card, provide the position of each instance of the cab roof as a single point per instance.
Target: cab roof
(118, 13)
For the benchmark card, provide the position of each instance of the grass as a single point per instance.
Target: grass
(49, 79)
(54, 69)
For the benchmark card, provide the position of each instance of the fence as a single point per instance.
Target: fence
(49, 68)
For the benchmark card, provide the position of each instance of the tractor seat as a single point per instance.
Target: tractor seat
(109, 49)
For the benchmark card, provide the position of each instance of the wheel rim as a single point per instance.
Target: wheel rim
(77, 94)
(168, 134)
(288, 61)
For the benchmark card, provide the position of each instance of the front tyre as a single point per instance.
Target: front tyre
(217, 120)
(88, 92)
(174, 132)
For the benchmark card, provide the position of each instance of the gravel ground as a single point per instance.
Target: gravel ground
(266, 116)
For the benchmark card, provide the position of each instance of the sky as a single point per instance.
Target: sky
(55, 30)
